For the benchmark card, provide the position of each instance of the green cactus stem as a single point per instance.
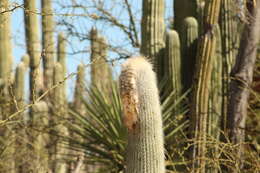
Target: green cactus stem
(79, 89)
(61, 57)
(48, 42)
(61, 53)
(229, 34)
(199, 107)
(33, 46)
(6, 58)
(40, 111)
(142, 117)
(19, 85)
(101, 74)
(60, 110)
(172, 64)
(189, 48)
(153, 30)
(215, 104)
(26, 60)
(183, 9)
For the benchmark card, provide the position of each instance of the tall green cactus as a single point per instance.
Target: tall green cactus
(172, 64)
(199, 107)
(48, 42)
(215, 104)
(19, 85)
(99, 67)
(229, 34)
(61, 52)
(142, 117)
(19, 102)
(61, 57)
(153, 33)
(189, 48)
(60, 110)
(6, 58)
(79, 89)
(32, 45)
(26, 60)
(183, 9)
(40, 111)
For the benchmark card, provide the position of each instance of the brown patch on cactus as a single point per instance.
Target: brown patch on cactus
(129, 97)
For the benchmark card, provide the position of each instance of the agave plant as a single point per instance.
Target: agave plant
(99, 132)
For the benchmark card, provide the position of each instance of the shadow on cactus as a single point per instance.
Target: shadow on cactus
(99, 132)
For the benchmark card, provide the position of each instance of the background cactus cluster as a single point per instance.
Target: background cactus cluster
(173, 108)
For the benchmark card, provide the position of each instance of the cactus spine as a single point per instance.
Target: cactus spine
(33, 46)
(99, 67)
(173, 63)
(48, 42)
(142, 116)
(153, 33)
(189, 47)
(199, 107)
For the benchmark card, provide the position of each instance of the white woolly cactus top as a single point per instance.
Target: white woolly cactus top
(128, 88)
(142, 117)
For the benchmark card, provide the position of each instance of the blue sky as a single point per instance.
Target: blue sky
(112, 34)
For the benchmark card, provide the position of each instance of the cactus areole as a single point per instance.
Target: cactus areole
(142, 117)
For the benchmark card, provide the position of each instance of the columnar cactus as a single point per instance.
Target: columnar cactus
(26, 60)
(204, 65)
(79, 89)
(48, 42)
(32, 45)
(215, 102)
(61, 57)
(99, 67)
(6, 58)
(40, 111)
(19, 102)
(142, 117)
(172, 64)
(19, 85)
(229, 35)
(61, 52)
(189, 37)
(183, 9)
(60, 112)
(153, 33)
